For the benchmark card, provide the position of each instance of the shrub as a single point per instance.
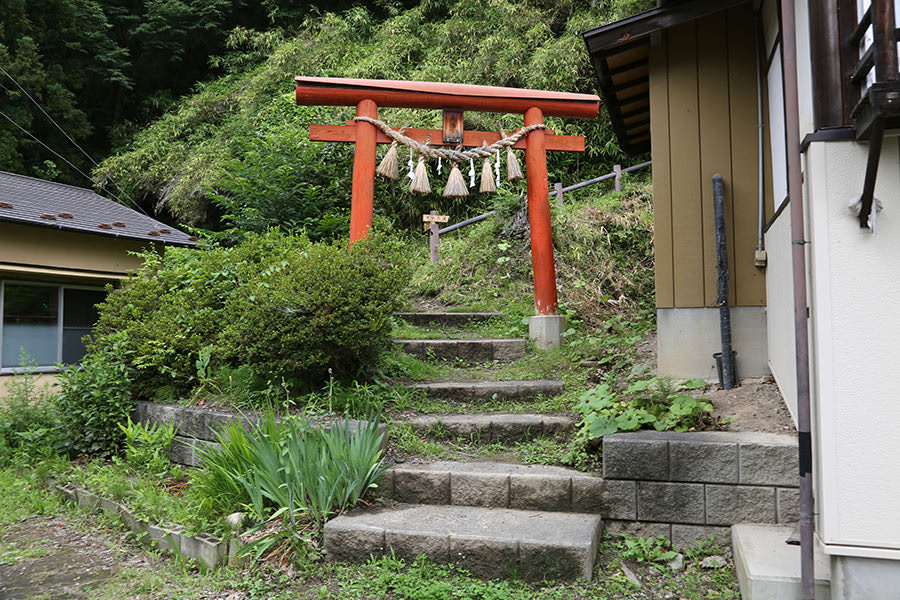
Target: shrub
(256, 318)
(95, 398)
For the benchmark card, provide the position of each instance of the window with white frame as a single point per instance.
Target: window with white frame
(44, 323)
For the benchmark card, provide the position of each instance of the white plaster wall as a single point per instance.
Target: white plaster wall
(780, 311)
(688, 338)
(855, 285)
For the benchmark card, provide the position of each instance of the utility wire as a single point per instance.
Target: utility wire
(62, 158)
(68, 137)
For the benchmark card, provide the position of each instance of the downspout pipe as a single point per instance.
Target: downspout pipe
(801, 325)
(760, 256)
(727, 356)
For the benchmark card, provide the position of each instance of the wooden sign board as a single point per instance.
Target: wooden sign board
(436, 218)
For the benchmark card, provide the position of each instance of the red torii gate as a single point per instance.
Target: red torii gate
(368, 94)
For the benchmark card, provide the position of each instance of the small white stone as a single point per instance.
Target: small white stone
(676, 564)
(236, 520)
(713, 562)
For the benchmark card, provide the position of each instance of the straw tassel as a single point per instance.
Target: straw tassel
(513, 170)
(487, 178)
(419, 182)
(456, 183)
(389, 167)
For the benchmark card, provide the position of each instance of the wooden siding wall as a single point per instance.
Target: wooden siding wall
(703, 114)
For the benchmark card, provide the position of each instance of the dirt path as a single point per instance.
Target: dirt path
(52, 557)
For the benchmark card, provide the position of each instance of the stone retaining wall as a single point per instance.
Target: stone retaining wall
(688, 486)
(196, 427)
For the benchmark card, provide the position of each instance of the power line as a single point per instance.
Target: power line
(68, 137)
(64, 159)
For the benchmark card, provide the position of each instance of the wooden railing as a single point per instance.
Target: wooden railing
(876, 71)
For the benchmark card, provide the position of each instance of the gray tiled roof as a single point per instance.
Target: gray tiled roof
(59, 206)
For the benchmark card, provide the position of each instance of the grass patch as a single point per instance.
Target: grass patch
(10, 554)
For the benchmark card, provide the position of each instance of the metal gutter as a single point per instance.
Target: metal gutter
(801, 311)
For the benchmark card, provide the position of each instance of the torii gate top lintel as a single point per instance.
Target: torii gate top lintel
(367, 95)
(337, 91)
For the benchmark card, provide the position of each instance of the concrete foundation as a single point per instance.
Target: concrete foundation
(688, 338)
(546, 330)
(769, 569)
(855, 578)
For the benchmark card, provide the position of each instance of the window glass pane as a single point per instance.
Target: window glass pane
(79, 316)
(80, 307)
(30, 324)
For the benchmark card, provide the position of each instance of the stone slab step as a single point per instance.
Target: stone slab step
(474, 350)
(453, 319)
(489, 542)
(769, 569)
(494, 427)
(473, 390)
(495, 485)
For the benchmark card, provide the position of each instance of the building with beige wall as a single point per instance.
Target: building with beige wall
(707, 70)
(60, 246)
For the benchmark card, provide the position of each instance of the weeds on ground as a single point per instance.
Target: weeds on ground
(29, 420)
(147, 447)
(646, 550)
(653, 402)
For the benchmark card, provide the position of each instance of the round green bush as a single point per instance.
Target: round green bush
(291, 309)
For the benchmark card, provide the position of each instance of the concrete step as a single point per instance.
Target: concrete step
(495, 485)
(474, 390)
(769, 569)
(489, 542)
(474, 350)
(493, 427)
(452, 319)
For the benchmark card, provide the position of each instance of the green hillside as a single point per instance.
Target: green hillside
(238, 146)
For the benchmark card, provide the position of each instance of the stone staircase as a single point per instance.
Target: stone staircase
(494, 519)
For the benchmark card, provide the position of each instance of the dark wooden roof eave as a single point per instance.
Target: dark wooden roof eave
(657, 19)
(629, 39)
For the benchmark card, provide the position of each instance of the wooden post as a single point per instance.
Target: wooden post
(557, 188)
(617, 169)
(545, 299)
(435, 239)
(363, 190)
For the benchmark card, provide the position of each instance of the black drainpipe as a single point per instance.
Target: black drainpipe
(801, 316)
(727, 357)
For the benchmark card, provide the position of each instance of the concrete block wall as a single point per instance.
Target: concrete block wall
(689, 486)
(208, 550)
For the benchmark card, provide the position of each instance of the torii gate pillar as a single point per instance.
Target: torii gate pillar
(546, 327)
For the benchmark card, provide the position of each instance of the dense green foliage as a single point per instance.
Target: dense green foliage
(105, 68)
(217, 140)
(272, 311)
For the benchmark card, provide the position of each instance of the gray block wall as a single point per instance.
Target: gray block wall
(688, 486)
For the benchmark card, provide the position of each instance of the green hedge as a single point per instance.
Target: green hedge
(290, 309)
